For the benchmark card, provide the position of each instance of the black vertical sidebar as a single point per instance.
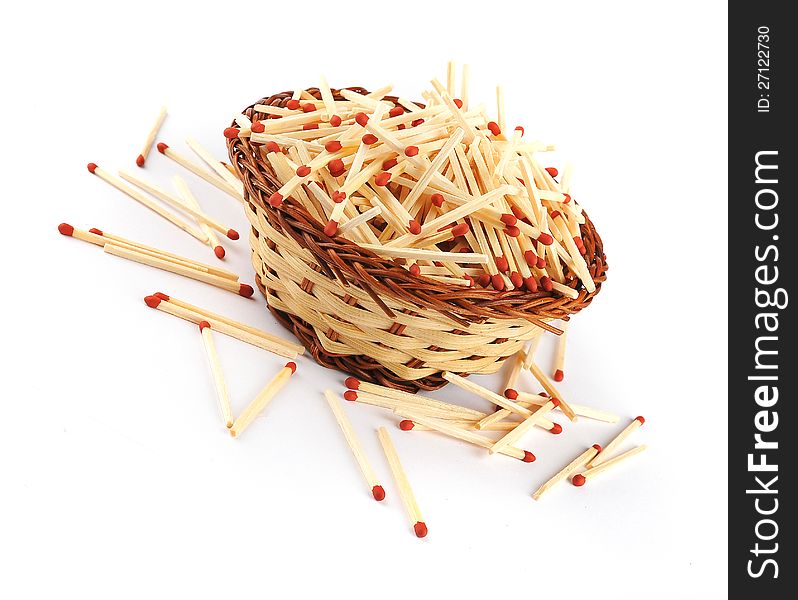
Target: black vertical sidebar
(762, 239)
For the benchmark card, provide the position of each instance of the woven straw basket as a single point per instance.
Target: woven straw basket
(368, 316)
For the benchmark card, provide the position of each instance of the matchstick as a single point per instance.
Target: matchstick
(604, 456)
(568, 470)
(523, 427)
(222, 395)
(516, 364)
(581, 478)
(190, 200)
(200, 172)
(153, 133)
(559, 356)
(262, 399)
(242, 289)
(215, 165)
(580, 410)
(222, 324)
(487, 394)
(101, 238)
(354, 445)
(142, 199)
(551, 390)
(400, 477)
(468, 436)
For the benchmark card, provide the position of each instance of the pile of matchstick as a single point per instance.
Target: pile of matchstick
(455, 195)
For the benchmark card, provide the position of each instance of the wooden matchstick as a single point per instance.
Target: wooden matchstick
(551, 390)
(142, 199)
(190, 200)
(242, 289)
(581, 478)
(222, 395)
(400, 477)
(487, 394)
(524, 426)
(568, 470)
(354, 445)
(467, 436)
(431, 255)
(200, 172)
(101, 238)
(224, 325)
(153, 133)
(516, 364)
(216, 165)
(262, 399)
(605, 454)
(175, 202)
(580, 410)
(559, 356)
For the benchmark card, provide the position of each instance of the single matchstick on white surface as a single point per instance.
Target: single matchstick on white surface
(222, 395)
(581, 478)
(559, 353)
(405, 491)
(605, 455)
(354, 445)
(153, 133)
(262, 399)
(568, 470)
(551, 390)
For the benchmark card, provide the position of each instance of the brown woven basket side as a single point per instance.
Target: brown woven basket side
(290, 235)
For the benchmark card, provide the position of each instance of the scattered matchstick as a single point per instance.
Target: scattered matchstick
(242, 289)
(199, 171)
(604, 456)
(551, 390)
(581, 478)
(559, 356)
(225, 325)
(405, 491)
(580, 410)
(222, 395)
(142, 199)
(216, 166)
(354, 445)
(189, 199)
(153, 133)
(524, 426)
(262, 399)
(568, 470)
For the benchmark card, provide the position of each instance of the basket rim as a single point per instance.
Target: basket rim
(293, 219)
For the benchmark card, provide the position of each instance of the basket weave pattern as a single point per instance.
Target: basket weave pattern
(367, 315)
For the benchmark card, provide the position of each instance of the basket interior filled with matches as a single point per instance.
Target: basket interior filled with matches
(402, 240)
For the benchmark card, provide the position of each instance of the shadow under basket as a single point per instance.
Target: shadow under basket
(370, 317)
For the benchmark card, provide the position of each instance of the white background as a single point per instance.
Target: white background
(117, 479)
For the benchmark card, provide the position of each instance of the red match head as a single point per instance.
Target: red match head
(552, 171)
(292, 104)
(469, 279)
(245, 290)
(460, 229)
(597, 447)
(559, 375)
(96, 231)
(309, 107)
(546, 239)
(512, 231)
(417, 122)
(162, 296)
(336, 167)
(545, 283)
(517, 212)
(421, 529)
(555, 214)
(578, 480)
(437, 200)
(152, 301)
(310, 126)
(338, 196)
(231, 133)
(276, 199)
(411, 151)
(493, 126)
(530, 284)
(555, 401)
(567, 198)
(203, 325)
(66, 229)
(389, 164)
(331, 228)
(273, 146)
(303, 171)
(353, 383)
(415, 270)
(641, 419)
(219, 252)
(378, 492)
(498, 282)
(162, 147)
(457, 102)
(528, 457)
(516, 279)
(502, 264)
(531, 258)
(396, 111)
(91, 167)
(483, 280)
(509, 219)
(510, 393)
(232, 234)
(140, 160)
(361, 119)
(520, 128)
(350, 395)
(556, 429)
(369, 139)
(406, 424)
(291, 365)
(335, 121)
(333, 146)
(414, 227)
(258, 127)
(382, 179)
